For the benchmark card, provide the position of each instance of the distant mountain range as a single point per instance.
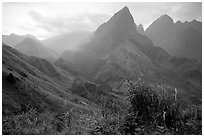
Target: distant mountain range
(29, 45)
(178, 39)
(34, 82)
(33, 47)
(118, 51)
(13, 39)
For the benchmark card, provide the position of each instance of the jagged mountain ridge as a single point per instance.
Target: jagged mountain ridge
(91, 91)
(120, 25)
(115, 54)
(178, 39)
(109, 57)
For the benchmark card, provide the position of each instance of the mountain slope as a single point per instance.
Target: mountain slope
(117, 52)
(33, 47)
(14, 39)
(33, 82)
(178, 39)
(188, 69)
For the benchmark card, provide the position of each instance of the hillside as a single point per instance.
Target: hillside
(117, 82)
(14, 39)
(178, 39)
(117, 51)
(35, 48)
(33, 75)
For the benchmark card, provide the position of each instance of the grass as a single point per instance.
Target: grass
(155, 109)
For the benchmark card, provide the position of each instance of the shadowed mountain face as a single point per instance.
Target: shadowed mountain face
(178, 39)
(33, 81)
(111, 44)
(89, 89)
(33, 47)
(120, 26)
(117, 51)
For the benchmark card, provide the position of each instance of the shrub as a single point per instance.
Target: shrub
(11, 78)
(153, 108)
(33, 122)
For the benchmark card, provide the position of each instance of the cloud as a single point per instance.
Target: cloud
(85, 21)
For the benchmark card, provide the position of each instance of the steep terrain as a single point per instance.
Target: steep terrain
(117, 51)
(178, 39)
(118, 82)
(188, 69)
(140, 29)
(33, 82)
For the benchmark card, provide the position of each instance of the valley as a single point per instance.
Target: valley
(119, 79)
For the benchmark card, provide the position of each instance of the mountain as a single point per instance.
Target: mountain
(178, 39)
(117, 52)
(30, 82)
(34, 82)
(186, 68)
(121, 24)
(26, 78)
(68, 41)
(116, 44)
(140, 29)
(33, 47)
(13, 39)
(105, 87)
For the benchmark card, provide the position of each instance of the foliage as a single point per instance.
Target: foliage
(11, 78)
(148, 109)
(158, 108)
(32, 122)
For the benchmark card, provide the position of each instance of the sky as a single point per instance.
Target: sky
(44, 20)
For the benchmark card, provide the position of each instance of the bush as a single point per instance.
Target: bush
(153, 108)
(11, 78)
(33, 122)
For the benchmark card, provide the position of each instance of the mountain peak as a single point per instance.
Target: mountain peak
(121, 22)
(165, 18)
(140, 29)
(178, 22)
(31, 36)
(163, 21)
(140, 26)
(124, 12)
(29, 41)
(12, 35)
(125, 9)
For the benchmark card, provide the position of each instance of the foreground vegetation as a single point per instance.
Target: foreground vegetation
(152, 109)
